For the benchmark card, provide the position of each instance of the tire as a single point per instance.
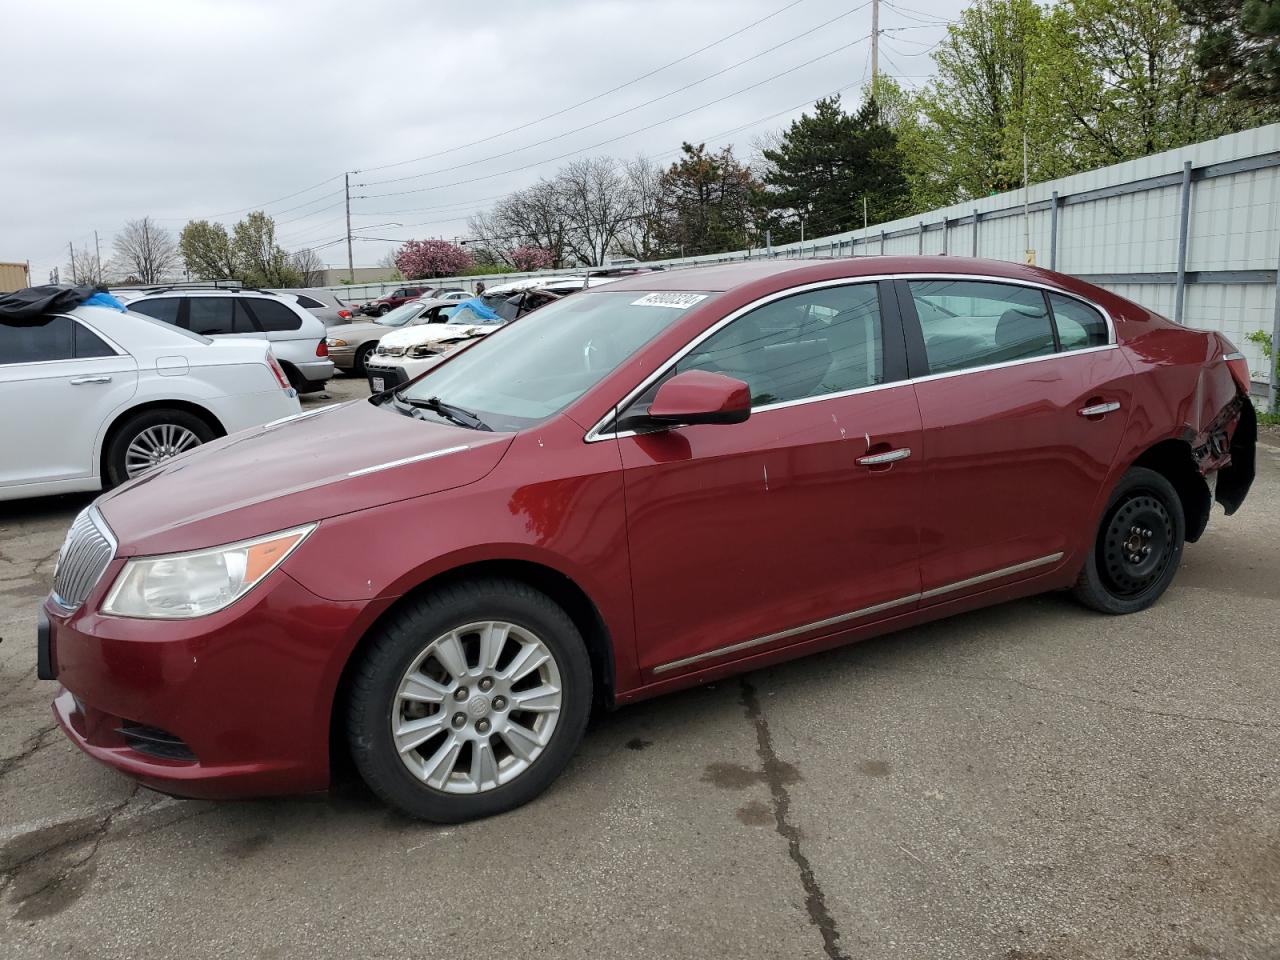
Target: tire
(383, 310)
(1137, 548)
(441, 775)
(169, 428)
(362, 358)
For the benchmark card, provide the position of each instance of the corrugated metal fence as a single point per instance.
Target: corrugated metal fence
(1192, 233)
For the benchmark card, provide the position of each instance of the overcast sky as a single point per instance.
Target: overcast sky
(209, 108)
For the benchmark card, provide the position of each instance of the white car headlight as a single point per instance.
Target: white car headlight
(335, 342)
(185, 585)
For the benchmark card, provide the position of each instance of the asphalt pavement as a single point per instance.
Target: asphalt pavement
(1027, 782)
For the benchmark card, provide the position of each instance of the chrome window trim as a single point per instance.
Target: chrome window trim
(119, 350)
(859, 613)
(596, 434)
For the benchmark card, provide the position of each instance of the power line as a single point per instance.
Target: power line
(257, 206)
(621, 113)
(598, 96)
(657, 123)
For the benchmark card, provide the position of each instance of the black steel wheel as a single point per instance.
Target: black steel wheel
(1138, 545)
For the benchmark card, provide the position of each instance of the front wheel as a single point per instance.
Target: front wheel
(1138, 545)
(470, 701)
(362, 358)
(383, 310)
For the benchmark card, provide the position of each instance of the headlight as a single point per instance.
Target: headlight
(185, 585)
(335, 342)
(424, 350)
(391, 351)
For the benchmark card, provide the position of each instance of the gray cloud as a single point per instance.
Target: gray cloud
(193, 108)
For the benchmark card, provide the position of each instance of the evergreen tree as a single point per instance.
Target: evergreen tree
(825, 164)
(709, 203)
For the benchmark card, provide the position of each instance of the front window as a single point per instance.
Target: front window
(399, 316)
(539, 365)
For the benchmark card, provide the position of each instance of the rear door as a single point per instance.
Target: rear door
(749, 537)
(1023, 398)
(59, 383)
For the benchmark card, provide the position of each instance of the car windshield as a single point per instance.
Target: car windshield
(399, 316)
(535, 367)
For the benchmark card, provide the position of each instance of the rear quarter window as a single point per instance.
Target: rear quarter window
(273, 316)
(309, 303)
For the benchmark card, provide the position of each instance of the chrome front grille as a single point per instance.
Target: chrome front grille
(85, 553)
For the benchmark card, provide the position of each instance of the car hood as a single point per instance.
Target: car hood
(320, 464)
(432, 332)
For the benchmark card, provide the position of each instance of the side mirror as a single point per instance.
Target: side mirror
(699, 396)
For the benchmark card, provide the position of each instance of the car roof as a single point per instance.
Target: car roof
(782, 273)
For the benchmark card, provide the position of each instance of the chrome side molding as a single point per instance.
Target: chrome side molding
(860, 613)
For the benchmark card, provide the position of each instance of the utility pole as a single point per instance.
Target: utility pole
(97, 253)
(864, 211)
(1026, 199)
(72, 250)
(875, 44)
(351, 265)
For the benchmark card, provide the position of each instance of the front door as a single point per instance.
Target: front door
(756, 535)
(1012, 466)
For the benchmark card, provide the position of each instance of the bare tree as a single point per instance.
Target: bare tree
(85, 267)
(532, 217)
(388, 262)
(639, 235)
(597, 203)
(146, 250)
(309, 266)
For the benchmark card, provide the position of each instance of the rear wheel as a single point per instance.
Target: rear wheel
(1138, 545)
(383, 310)
(470, 701)
(149, 438)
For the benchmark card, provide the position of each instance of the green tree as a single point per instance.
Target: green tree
(261, 260)
(923, 152)
(827, 162)
(1118, 79)
(1238, 48)
(976, 104)
(709, 201)
(206, 249)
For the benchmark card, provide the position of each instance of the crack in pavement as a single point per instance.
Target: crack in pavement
(33, 743)
(1079, 698)
(814, 900)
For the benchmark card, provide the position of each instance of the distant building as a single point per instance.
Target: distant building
(14, 276)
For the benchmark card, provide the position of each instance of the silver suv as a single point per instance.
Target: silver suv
(297, 337)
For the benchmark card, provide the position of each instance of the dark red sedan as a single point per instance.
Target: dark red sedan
(639, 488)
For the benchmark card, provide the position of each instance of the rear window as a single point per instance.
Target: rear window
(273, 316)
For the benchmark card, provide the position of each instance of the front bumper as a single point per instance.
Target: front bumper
(384, 376)
(247, 692)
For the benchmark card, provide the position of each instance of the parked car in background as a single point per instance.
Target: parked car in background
(403, 354)
(388, 302)
(451, 294)
(329, 307)
(642, 487)
(351, 346)
(297, 337)
(93, 397)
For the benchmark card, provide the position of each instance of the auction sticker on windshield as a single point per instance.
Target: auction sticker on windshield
(677, 301)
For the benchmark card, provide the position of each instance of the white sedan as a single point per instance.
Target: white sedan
(94, 396)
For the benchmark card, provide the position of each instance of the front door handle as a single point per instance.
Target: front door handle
(889, 456)
(77, 381)
(1098, 409)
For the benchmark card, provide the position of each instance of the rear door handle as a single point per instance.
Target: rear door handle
(77, 381)
(889, 456)
(1098, 409)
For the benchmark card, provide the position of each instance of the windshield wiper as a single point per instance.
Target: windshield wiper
(447, 410)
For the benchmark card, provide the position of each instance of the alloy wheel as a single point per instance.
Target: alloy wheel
(155, 445)
(476, 707)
